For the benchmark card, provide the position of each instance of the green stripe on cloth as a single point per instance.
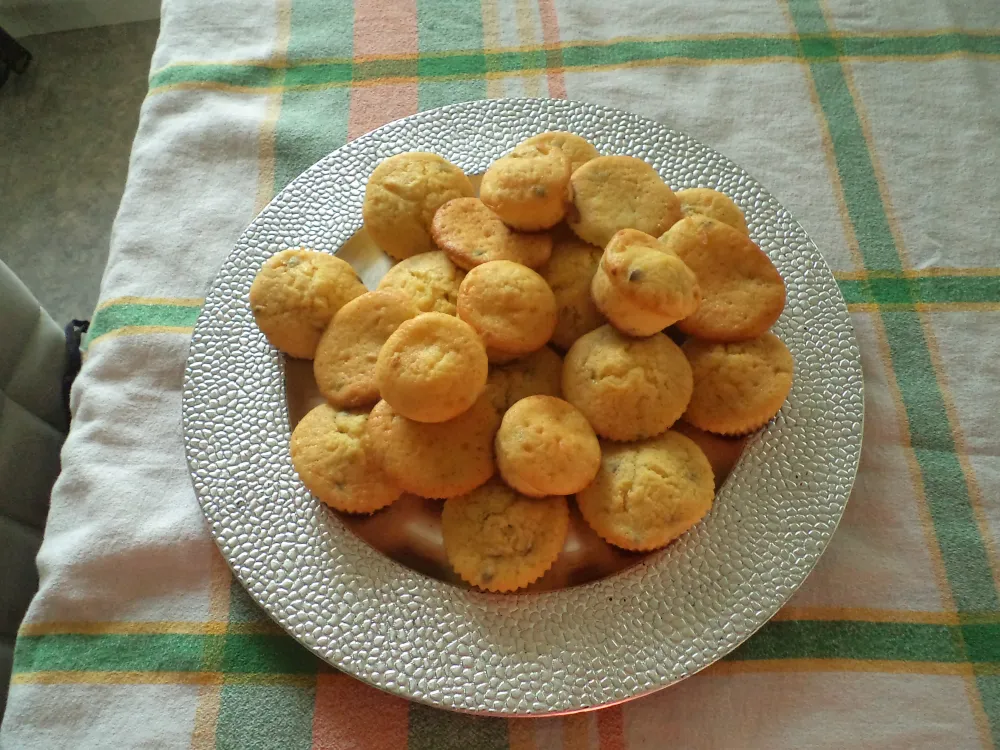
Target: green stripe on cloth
(852, 640)
(432, 94)
(113, 317)
(435, 61)
(434, 729)
(962, 548)
(298, 143)
(982, 642)
(266, 654)
(444, 25)
(919, 46)
(111, 653)
(315, 74)
(279, 654)
(243, 75)
(317, 29)
(265, 717)
(857, 174)
(989, 690)
(630, 52)
(320, 28)
(897, 290)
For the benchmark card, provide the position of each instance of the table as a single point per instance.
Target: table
(876, 124)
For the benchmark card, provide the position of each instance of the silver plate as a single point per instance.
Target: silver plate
(655, 623)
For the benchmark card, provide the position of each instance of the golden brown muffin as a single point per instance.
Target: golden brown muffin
(498, 357)
(499, 540)
(569, 272)
(714, 205)
(441, 459)
(471, 234)
(577, 148)
(722, 451)
(611, 193)
(344, 366)
(742, 293)
(640, 287)
(432, 368)
(738, 387)
(430, 280)
(402, 195)
(627, 388)
(331, 453)
(647, 494)
(509, 305)
(535, 374)
(545, 446)
(295, 295)
(529, 188)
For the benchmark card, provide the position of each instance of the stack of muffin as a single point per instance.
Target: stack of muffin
(446, 382)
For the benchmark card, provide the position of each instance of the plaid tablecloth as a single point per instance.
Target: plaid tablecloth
(876, 122)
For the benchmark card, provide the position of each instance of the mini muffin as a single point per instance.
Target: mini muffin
(509, 305)
(569, 273)
(529, 188)
(432, 368)
(611, 193)
(640, 287)
(295, 295)
(430, 280)
(545, 446)
(722, 451)
(332, 454)
(577, 149)
(344, 366)
(535, 374)
(627, 388)
(742, 293)
(714, 205)
(471, 234)
(498, 357)
(738, 387)
(441, 459)
(647, 494)
(498, 540)
(402, 195)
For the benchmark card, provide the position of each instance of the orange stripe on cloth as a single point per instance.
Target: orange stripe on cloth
(350, 714)
(373, 107)
(521, 734)
(491, 40)
(611, 728)
(527, 33)
(383, 27)
(579, 731)
(267, 138)
(550, 35)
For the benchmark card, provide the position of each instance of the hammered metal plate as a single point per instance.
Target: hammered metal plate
(655, 623)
